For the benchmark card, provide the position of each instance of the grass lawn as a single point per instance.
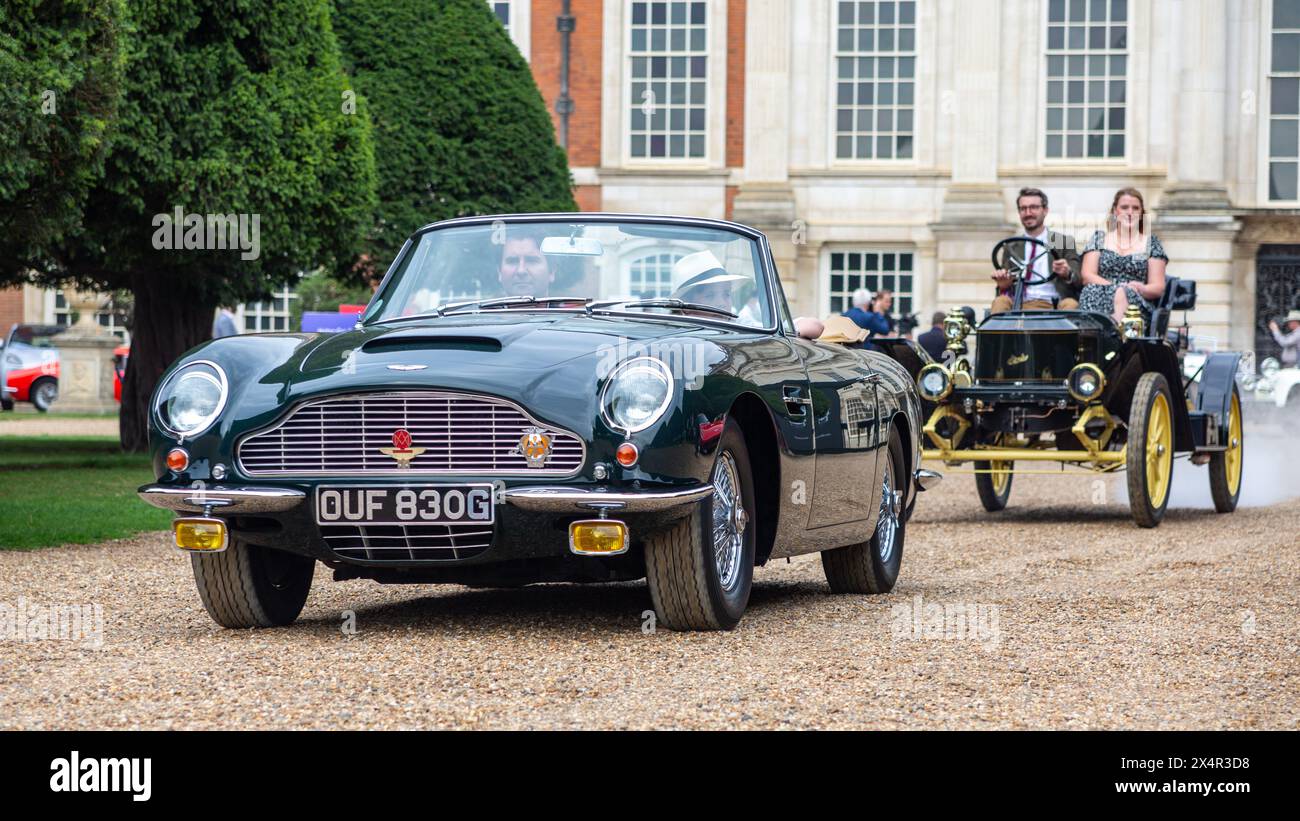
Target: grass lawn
(60, 490)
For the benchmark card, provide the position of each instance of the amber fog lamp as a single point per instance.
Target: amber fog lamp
(598, 537)
(627, 454)
(201, 535)
(177, 460)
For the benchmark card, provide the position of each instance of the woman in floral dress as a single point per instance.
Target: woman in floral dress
(1123, 265)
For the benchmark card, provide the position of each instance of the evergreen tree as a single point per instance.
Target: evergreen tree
(460, 127)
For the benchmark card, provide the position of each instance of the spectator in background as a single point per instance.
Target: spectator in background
(225, 323)
(883, 305)
(933, 340)
(865, 315)
(1290, 341)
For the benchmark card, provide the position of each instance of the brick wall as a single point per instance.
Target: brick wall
(11, 308)
(584, 80)
(735, 86)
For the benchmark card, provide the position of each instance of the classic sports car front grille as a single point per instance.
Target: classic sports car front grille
(460, 434)
(401, 543)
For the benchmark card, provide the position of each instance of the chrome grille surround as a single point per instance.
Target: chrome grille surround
(466, 434)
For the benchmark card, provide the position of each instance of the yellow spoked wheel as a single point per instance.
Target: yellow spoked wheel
(1226, 466)
(994, 483)
(1150, 455)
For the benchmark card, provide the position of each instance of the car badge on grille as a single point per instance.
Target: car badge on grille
(1018, 359)
(535, 445)
(401, 449)
(407, 367)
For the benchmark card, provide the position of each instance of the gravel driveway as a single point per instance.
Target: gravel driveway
(1055, 614)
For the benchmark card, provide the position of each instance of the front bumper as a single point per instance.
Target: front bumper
(529, 539)
(255, 500)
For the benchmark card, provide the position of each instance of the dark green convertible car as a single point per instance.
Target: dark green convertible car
(543, 398)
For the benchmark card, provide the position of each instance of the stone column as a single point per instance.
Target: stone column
(765, 199)
(85, 360)
(1197, 176)
(1194, 219)
(973, 217)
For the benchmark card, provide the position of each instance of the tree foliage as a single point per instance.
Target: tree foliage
(460, 127)
(61, 65)
(231, 107)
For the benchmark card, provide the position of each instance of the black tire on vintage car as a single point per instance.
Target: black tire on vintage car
(1150, 450)
(699, 583)
(872, 566)
(250, 586)
(994, 487)
(1226, 466)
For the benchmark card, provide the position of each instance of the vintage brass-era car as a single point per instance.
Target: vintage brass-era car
(1072, 387)
(571, 397)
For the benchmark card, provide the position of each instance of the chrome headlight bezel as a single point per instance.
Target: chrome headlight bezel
(1077, 373)
(934, 396)
(204, 369)
(641, 365)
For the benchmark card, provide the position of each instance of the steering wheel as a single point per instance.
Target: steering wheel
(1028, 274)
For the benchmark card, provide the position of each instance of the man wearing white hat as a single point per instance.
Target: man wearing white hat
(1290, 341)
(700, 278)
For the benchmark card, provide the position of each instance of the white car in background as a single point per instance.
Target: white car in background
(1275, 384)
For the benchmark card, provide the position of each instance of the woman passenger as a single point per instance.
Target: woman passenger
(1123, 265)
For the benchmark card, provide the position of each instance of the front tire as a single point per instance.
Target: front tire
(1150, 455)
(249, 586)
(44, 393)
(873, 566)
(1226, 467)
(994, 487)
(699, 583)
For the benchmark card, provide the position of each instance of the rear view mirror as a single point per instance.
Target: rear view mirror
(572, 247)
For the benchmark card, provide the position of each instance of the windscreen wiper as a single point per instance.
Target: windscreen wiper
(478, 304)
(660, 303)
(507, 302)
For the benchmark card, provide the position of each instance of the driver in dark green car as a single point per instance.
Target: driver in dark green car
(524, 269)
(1059, 271)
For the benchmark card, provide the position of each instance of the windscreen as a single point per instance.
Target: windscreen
(557, 265)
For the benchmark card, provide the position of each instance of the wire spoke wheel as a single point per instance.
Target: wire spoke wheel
(1150, 450)
(700, 568)
(1160, 454)
(872, 566)
(891, 502)
(1226, 466)
(729, 522)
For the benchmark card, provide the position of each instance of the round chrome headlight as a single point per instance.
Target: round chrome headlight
(934, 382)
(637, 394)
(1270, 367)
(1086, 382)
(192, 398)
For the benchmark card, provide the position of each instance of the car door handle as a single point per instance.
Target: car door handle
(795, 403)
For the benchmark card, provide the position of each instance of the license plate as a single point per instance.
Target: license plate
(421, 504)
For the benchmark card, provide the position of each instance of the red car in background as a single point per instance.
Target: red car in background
(29, 366)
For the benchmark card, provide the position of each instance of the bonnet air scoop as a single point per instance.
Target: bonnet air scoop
(394, 343)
